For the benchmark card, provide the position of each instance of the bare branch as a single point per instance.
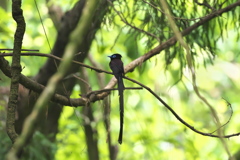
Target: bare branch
(107, 90)
(57, 58)
(17, 15)
(205, 4)
(177, 116)
(7, 49)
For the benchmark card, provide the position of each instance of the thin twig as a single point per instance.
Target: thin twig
(130, 25)
(44, 30)
(205, 4)
(228, 104)
(177, 116)
(57, 58)
(107, 90)
(8, 49)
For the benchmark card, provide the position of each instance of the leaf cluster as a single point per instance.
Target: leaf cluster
(150, 25)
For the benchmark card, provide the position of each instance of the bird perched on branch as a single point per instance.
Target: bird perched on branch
(116, 66)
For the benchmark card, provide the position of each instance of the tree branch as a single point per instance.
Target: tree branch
(57, 58)
(63, 100)
(17, 15)
(177, 116)
(172, 41)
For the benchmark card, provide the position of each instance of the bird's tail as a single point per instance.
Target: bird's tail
(121, 109)
(120, 84)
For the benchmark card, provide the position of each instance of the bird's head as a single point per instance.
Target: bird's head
(115, 56)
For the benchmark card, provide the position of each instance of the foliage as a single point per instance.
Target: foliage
(40, 148)
(150, 130)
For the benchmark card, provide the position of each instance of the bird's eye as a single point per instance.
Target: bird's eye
(113, 56)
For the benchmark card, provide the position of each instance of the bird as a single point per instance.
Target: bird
(116, 66)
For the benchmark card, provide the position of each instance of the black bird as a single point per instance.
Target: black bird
(116, 66)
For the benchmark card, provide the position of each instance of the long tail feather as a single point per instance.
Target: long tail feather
(121, 109)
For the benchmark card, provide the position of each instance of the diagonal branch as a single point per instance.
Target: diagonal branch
(177, 116)
(172, 41)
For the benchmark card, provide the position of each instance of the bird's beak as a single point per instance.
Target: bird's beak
(109, 56)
